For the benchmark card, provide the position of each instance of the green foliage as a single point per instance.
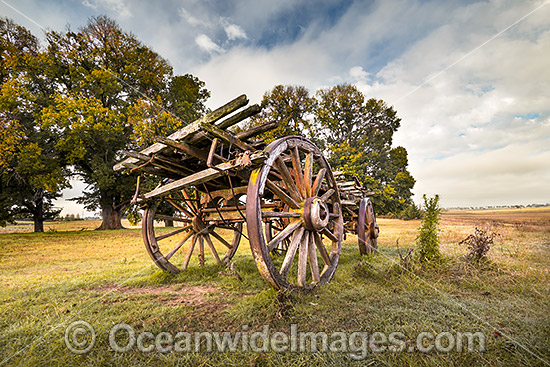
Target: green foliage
(79, 103)
(133, 215)
(412, 211)
(32, 168)
(113, 94)
(358, 135)
(427, 242)
(290, 106)
(355, 133)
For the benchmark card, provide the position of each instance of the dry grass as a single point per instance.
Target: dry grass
(106, 277)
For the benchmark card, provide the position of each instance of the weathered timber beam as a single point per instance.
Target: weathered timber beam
(238, 117)
(224, 135)
(152, 170)
(186, 148)
(230, 121)
(202, 176)
(252, 132)
(167, 164)
(191, 129)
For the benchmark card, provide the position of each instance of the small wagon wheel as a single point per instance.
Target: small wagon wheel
(171, 250)
(296, 174)
(367, 228)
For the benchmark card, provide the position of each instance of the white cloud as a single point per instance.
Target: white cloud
(189, 18)
(464, 115)
(118, 6)
(234, 32)
(206, 44)
(456, 124)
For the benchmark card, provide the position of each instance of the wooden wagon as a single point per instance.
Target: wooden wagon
(213, 182)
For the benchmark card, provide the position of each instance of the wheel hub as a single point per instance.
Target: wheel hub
(198, 224)
(316, 214)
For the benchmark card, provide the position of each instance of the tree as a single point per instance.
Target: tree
(291, 106)
(113, 94)
(32, 169)
(358, 135)
(427, 241)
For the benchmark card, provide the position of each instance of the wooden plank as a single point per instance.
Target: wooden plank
(201, 176)
(183, 147)
(152, 170)
(224, 135)
(267, 214)
(168, 165)
(191, 129)
(238, 117)
(257, 130)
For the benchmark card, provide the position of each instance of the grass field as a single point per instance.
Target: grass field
(105, 278)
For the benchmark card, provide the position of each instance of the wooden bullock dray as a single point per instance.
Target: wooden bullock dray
(214, 182)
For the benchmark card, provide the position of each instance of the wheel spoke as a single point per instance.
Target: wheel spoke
(330, 235)
(189, 252)
(302, 260)
(201, 250)
(212, 248)
(179, 207)
(288, 180)
(312, 255)
(221, 239)
(298, 175)
(283, 234)
(169, 234)
(178, 246)
(318, 181)
(308, 173)
(282, 195)
(322, 249)
(327, 195)
(191, 204)
(291, 252)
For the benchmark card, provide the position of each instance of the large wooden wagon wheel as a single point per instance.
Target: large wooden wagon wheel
(367, 228)
(297, 175)
(172, 248)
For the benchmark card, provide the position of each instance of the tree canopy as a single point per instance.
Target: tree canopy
(355, 133)
(32, 170)
(88, 96)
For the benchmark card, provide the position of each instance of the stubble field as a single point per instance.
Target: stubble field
(105, 278)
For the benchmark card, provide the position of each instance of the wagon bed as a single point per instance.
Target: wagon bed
(294, 207)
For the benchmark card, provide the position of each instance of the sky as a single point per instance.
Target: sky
(469, 79)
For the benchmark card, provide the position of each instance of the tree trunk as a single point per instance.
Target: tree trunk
(38, 212)
(111, 216)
